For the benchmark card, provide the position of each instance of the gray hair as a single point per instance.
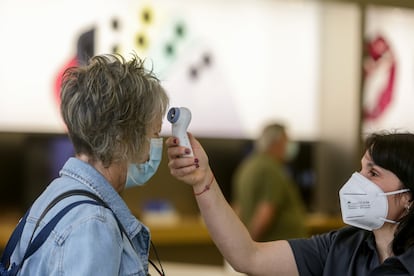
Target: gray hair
(109, 106)
(269, 135)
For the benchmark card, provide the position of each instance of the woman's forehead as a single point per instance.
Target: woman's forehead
(367, 158)
(367, 161)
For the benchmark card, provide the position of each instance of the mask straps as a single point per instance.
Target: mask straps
(395, 192)
(388, 220)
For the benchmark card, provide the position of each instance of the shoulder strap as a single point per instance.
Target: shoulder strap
(44, 233)
(11, 244)
(101, 202)
(65, 195)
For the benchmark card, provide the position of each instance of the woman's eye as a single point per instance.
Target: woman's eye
(373, 173)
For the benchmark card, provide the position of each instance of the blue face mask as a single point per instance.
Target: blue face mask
(139, 174)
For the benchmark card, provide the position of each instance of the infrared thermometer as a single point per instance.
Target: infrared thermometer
(180, 118)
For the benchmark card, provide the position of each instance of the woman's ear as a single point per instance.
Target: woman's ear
(408, 198)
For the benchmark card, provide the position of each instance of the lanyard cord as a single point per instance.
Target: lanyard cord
(159, 270)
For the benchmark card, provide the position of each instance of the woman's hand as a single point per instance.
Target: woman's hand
(191, 170)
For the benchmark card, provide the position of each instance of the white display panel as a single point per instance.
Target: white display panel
(388, 94)
(262, 60)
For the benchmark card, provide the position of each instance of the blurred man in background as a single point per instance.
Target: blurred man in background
(265, 197)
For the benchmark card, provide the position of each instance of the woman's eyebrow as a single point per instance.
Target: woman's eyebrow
(367, 162)
(376, 167)
(371, 165)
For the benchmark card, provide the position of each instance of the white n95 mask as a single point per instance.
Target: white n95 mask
(364, 204)
(139, 174)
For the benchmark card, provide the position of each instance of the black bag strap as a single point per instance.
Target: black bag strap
(11, 244)
(44, 233)
(101, 202)
(34, 244)
(65, 195)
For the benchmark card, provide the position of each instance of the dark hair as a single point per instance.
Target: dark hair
(395, 152)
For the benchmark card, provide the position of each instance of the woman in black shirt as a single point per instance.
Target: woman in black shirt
(376, 202)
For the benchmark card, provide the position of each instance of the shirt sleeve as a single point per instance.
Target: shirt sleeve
(311, 254)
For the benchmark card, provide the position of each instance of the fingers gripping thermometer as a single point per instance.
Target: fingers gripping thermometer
(180, 118)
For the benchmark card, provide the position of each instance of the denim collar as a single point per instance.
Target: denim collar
(91, 178)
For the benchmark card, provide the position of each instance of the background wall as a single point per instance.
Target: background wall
(239, 57)
(241, 63)
(339, 109)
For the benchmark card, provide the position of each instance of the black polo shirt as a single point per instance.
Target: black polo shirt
(348, 251)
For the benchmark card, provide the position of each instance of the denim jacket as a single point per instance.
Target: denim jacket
(87, 240)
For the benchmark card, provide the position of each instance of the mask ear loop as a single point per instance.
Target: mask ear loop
(389, 220)
(393, 193)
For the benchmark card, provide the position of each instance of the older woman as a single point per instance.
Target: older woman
(376, 202)
(113, 110)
